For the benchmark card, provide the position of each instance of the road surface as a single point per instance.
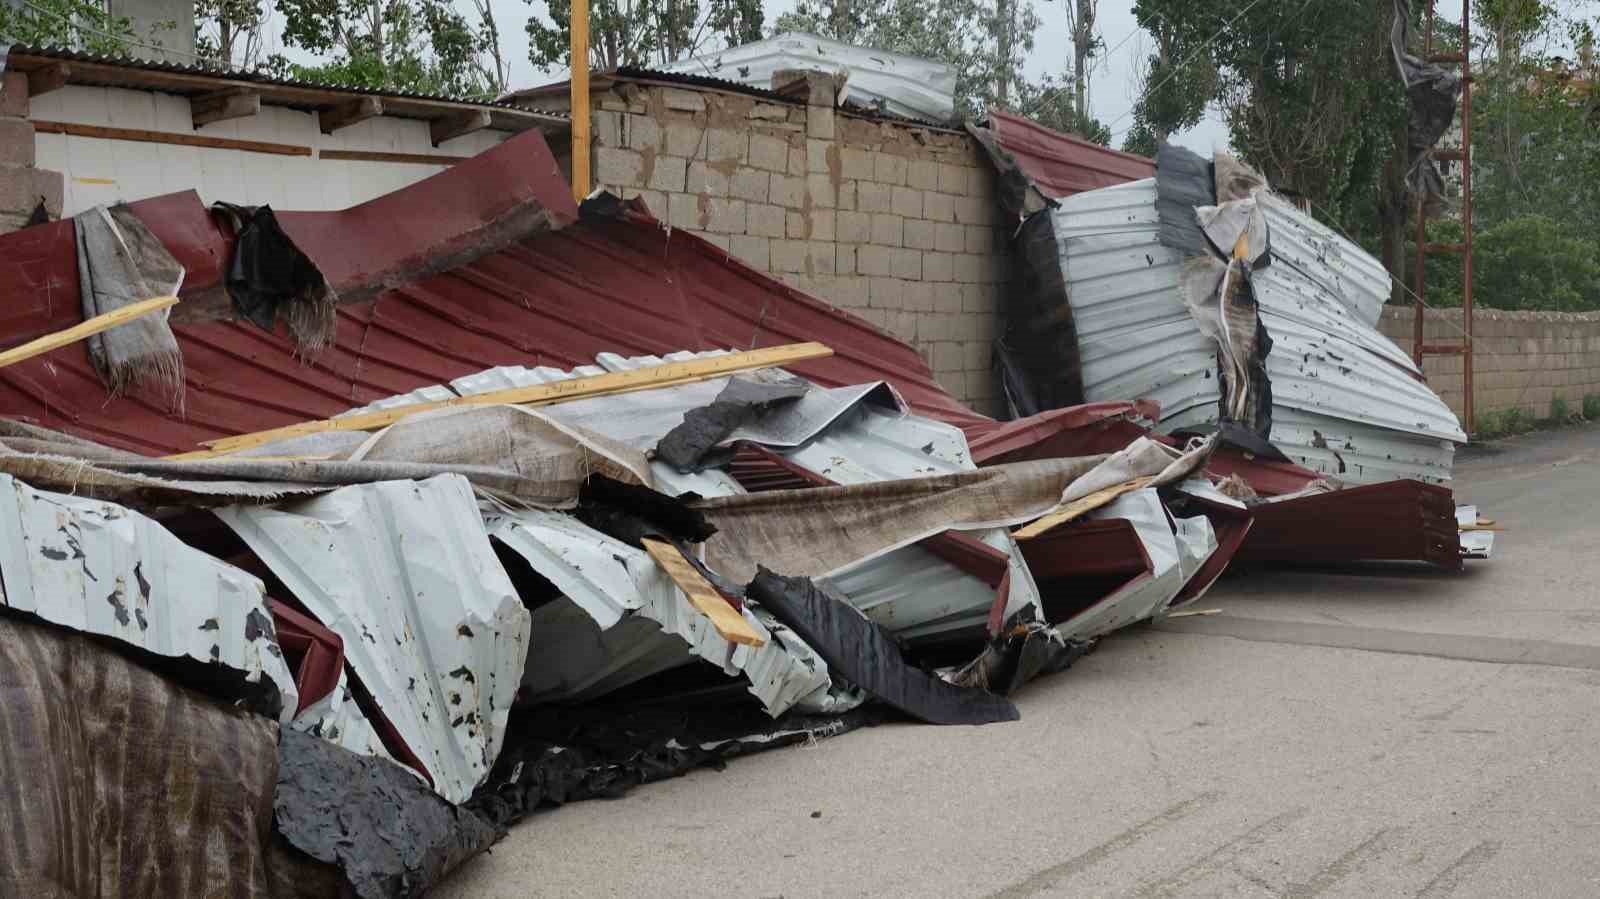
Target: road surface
(1372, 733)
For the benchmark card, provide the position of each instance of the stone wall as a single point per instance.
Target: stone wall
(892, 222)
(22, 186)
(1521, 359)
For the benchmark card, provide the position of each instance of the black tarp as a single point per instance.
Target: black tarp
(688, 447)
(1184, 180)
(269, 278)
(860, 651)
(385, 829)
(1037, 352)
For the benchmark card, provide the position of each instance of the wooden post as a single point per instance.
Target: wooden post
(580, 99)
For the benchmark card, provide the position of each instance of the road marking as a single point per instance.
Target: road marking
(1342, 867)
(1043, 880)
(1456, 873)
(1220, 857)
(1460, 647)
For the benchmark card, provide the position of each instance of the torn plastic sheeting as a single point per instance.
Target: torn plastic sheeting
(863, 653)
(623, 619)
(404, 573)
(1025, 649)
(388, 833)
(895, 83)
(703, 428)
(122, 783)
(269, 278)
(102, 569)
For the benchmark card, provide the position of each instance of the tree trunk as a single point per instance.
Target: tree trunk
(1082, 43)
(1005, 15)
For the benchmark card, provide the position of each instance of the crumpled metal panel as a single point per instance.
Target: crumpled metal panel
(403, 572)
(1061, 165)
(337, 719)
(1177, 549)
(1353, 277)
(1359, 453)
(1136, 339)
(623, 619)
(100, 568)
(889, 82)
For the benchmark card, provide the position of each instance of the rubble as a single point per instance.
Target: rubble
(544, 528)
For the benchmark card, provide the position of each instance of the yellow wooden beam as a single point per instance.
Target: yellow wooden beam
(668, 374)
(580, 99)
(730, 625)
(103, 322)
(1078, 507)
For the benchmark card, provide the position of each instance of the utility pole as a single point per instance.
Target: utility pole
(580, 99)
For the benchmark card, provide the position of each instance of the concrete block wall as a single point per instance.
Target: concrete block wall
(1521, 359)
(890, 222)
(22, 185)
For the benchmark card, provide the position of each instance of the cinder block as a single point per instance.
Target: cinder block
(682, 100)
(755, 251)
(766, 220)
(817, 156)
(906, 264)
(669, 174)
(725, 145)
(856, 163)
(886, 230)
(923, 174)
(872, 259)
(725, 215)
(950, 238)
(854, 227)
(937, 267)
(844, 259)
(919, 234)
(685, 139)
(952, 178)
(768, 152)
(14, 94)
(607, 128)
(787, 190)
(641, 132)
(820, 122)
(618, 168)
(684, 210)
(16, 142)
(822, 224)
(749, 184)
(885, 293)
(819, 257)
(703, 179)
(789, 255)
(888, 169)
(821, 190)
(874, 197)
(847, 195)
(939, 207)
(907, 202)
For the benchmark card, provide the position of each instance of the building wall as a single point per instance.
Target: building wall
(891, 222)
(23, 186)
(1521, 359)
(99, 171)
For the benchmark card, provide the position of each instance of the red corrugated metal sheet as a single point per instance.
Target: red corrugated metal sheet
(1392, 521)
(1061, 164)
(623, 285)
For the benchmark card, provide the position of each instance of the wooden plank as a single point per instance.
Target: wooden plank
(1079, 507)
(104, 322)
(665, 375)
(578, 31)
(375, 156)
(163, 137)
(353, 112)
(454, 126)
(730, 625)
(48, 78)
(233, 103)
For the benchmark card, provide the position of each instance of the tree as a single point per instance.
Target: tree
(229, 32)
(1080, 27)
(416, 45)
(1178, 79)
(643, 32)
(78, 24)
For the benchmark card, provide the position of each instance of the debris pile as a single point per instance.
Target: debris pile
(387, 601)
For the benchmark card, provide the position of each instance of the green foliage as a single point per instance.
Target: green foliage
(1591, 406)
(1559, 413)
(413, 45)
(228, 32)
(1527, 262)
(1179, 76)
(643, 32)
(78, 24)
(1507, 422)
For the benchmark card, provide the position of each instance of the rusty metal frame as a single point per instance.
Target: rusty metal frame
(1419, 345)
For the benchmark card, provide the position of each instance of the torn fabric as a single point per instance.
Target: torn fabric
(403, 572)
(269, 278)
(685, 447)
(389, 834)
(121, 263)
(863, 653)
(106, 570)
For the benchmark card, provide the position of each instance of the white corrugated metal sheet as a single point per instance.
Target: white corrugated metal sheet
(622, 619)
(100, 568)
(889, 82)
(1345, 398)
(403, 572)
(1136, 339)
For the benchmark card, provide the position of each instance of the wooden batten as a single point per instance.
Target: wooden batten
(233, 103)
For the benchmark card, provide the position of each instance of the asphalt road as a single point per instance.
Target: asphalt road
(1377, 732)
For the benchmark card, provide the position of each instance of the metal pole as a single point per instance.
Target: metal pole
(1466, 209)
(580, 99)
(1417, 333)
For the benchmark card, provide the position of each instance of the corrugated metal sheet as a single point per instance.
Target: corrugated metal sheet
(403, 572)
(1346, 400)
(102, 569)
(890, 82)
(1393, 521)
(622, 619)
(1062, 165)
(1136, 339)
(626, 286)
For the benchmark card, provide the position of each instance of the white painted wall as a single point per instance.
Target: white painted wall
(101, 171)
